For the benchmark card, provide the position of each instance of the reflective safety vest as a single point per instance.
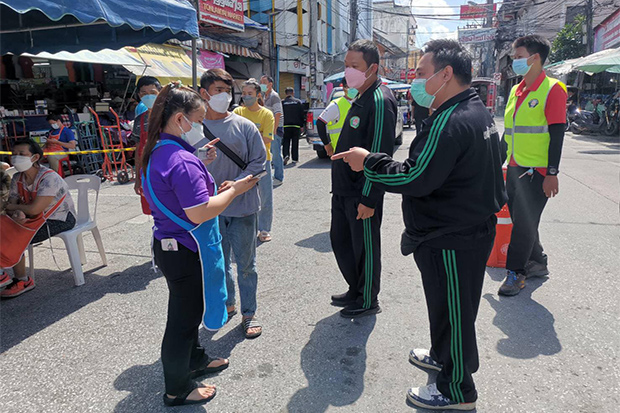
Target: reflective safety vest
(334, 129)
(527, 131)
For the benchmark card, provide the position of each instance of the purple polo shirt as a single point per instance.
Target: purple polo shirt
(180, 181)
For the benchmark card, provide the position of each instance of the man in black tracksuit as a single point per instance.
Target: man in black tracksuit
(452, 186)
(294, 119)
(357, 205)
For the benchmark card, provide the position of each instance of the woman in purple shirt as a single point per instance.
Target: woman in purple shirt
(186, 246)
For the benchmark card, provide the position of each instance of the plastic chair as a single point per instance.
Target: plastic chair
(73, 238)
(61, 171)
(11, 171)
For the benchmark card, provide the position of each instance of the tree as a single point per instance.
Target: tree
(568, 44)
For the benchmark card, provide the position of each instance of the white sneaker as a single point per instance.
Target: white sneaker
(276, 182)
(429, 397)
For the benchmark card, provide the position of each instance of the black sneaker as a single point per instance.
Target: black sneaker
(429, 397)
(355, 310)
(513, 284)
(286, 159)
(342, 300)
(535, 269)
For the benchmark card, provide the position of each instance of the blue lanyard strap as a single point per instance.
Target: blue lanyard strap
(147, 183)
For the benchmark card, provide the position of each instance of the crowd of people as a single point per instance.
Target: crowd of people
(207, 173)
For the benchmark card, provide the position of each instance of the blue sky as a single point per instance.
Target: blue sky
(435, 29)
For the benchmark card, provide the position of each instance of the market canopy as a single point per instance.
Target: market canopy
(34, 26)
(165, 62)
(106, 57)
(600, 61)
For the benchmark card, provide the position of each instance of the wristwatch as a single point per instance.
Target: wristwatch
(552, 170)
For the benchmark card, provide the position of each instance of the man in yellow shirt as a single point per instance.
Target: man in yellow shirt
(264, 121)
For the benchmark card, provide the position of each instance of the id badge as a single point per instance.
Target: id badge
(169, 244)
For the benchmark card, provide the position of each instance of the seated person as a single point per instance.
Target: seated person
(35, 189)
(60, 139)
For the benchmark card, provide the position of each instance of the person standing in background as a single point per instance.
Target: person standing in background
(148, 88)
(331, 120)
(294, 120)
(60, 138)
(263, 119)
(273, 102)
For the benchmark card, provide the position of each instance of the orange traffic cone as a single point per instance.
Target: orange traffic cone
(497, 259)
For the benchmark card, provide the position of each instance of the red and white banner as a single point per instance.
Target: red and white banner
(225, 13)
(479, 11)
(607, 34)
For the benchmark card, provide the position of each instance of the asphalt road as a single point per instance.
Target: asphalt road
(553, 348)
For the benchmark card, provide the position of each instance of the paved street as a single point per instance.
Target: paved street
(553, 348)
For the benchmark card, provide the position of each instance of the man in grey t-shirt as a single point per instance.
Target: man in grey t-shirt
(274, 104)
(238, 222)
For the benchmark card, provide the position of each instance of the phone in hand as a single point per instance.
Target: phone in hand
(260, 175)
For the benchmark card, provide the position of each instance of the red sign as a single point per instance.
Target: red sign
(225, 13)
(479, 11)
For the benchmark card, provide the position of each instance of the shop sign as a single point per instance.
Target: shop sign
(210, 60)
(607, 34)
(477, 35)
(224, 13)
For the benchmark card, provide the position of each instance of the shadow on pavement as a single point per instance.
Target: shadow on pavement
(334, 362)
(319, 242)
(528, 325)
(54, 298)
(316, 163)
(223, 346)
(145, 384)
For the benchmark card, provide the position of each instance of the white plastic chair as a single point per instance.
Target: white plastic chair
(11, 171)
(73, 238)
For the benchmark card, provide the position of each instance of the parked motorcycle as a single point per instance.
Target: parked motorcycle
(591, 122)
(613, 117)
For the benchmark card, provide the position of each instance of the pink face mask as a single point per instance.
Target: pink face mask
(355, 78)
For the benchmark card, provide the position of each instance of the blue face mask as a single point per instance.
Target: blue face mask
(149, 100)
(419, 93)
(352, 93)
(263, 88)
(520, 66)
(249, 101)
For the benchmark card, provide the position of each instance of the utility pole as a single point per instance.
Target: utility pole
(487, 65)
(589, 34)
(313, 14)
(352, 21)
(407, 59)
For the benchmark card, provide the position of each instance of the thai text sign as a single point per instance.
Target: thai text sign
(225, 13)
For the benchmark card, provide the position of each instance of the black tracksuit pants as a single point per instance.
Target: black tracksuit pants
(357, 247)
(180, 350)
(291, 138)
(526, 202)
(452, 281)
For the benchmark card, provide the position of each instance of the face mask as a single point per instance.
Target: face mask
(249, 101)
(263, 88)
(21, 163)
(355, 78)
(194, 135)
(520, 66)
(55, 126)
(220, 102)
(419, 93)
(149, 100)
(352, 93)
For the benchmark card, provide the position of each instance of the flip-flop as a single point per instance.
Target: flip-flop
(181, 400)
(208, 370)
(249, 323)
(231, 313)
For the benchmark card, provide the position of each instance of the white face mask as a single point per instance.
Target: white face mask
(55, 126)
(21, 163)
(194, 135)
(220, 102)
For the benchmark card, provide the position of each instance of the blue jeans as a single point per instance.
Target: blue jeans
(265, 190)
(276, 152)
(239, 237)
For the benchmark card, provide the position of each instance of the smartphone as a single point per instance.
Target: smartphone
(260, 174)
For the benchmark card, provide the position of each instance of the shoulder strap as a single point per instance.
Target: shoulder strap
(147, 183)
(225, 149)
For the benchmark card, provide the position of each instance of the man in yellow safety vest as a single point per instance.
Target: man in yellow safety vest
(331, 120)
(535, 121)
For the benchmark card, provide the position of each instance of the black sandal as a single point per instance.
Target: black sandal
(181, 400)
(249, 323)
(208, 370)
